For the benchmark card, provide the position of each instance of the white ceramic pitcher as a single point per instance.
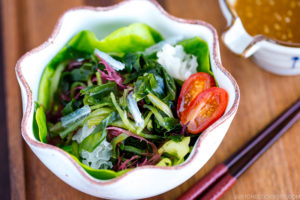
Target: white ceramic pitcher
(276, 56)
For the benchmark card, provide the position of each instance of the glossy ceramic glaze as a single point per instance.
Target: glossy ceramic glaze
(144, 181)
(279, 57)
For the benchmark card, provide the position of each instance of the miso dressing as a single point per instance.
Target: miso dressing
(277, 19)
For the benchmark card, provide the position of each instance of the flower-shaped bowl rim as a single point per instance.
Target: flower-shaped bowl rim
(29, 105)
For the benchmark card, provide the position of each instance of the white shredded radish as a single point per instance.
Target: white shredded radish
(134, 110)
(83, 132)
(176, 62)
(75, 116)
(158, 46)
(115, 64)
(99, 158)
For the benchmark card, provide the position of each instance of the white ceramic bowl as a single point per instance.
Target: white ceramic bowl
(144, 181)
(278, 57)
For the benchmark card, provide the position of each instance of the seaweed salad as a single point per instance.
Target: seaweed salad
(129, 100)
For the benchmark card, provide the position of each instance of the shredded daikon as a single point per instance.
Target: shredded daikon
(115, 64)
(99, 158)
(75, 116)
(83, 133)
(134, 110)
(176, 62)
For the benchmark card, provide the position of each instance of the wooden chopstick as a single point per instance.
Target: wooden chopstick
(229, 179)
(223, 176)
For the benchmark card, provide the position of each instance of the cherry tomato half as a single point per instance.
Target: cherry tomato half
(205, 109)
(195, 84)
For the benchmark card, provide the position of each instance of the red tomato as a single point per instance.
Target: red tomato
(205, 109)
(195, 84)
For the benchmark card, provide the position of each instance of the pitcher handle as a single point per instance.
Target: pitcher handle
(238, 40)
